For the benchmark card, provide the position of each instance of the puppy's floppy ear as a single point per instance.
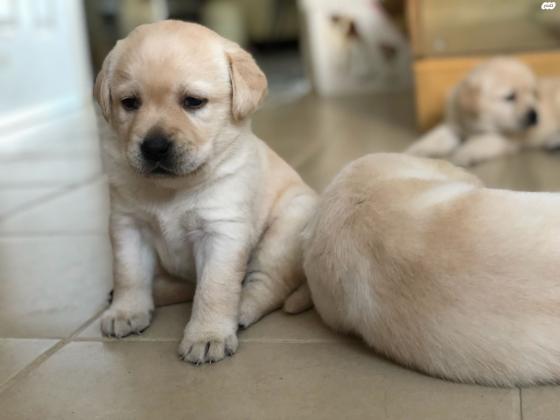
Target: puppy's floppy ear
(102, 87)
(248, 83)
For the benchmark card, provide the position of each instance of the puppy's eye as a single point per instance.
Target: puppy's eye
(511, 97)
(132, 103)
(191, 102)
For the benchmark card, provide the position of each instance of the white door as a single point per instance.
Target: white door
(44, 65)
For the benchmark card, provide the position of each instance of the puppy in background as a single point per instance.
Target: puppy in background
(437, 272)
(196, 197)
(498, 109)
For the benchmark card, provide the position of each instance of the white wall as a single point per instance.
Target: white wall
(44, 65)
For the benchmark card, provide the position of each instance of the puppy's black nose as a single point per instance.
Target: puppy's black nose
(155, 148)
(531, 118)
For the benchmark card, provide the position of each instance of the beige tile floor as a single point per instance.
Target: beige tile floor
(55, 274)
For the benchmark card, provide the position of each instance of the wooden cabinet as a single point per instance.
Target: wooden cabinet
(450, 37)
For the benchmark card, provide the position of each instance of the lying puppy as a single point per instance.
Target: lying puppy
(195, 196)
(499, 108)
(438, 272)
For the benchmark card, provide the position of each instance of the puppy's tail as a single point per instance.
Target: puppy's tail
(299, 300)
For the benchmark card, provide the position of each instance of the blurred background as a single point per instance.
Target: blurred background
(50, 49)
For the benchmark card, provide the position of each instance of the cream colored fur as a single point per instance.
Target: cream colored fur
(225, 224)
(438, 272)
(484, 121)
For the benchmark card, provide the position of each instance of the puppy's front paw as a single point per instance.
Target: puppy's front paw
(206, 346)
(120, 320)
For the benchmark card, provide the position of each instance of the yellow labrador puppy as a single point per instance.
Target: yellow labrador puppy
(498, 109)
(438, 272)
(195, 195)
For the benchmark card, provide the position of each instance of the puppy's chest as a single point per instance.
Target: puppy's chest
(173, 234)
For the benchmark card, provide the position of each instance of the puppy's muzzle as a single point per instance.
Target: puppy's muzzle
(156, 148)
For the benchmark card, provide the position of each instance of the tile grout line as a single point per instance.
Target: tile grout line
(520, 403)
(53, 185)
(53, 195)
(47, 354)
(47, 184)
(44, 156)
(241, 340)
(50, 234)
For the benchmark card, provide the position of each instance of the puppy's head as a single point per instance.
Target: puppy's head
(500, 95)
(177, 94)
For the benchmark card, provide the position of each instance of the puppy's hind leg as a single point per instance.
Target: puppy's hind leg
(276, 266)
(437, 143)
(298, 301)
(170, 291)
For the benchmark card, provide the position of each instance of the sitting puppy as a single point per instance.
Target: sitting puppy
(195, 196)
(499, 108)
(439, 273)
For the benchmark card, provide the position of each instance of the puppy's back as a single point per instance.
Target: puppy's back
(416, 258)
